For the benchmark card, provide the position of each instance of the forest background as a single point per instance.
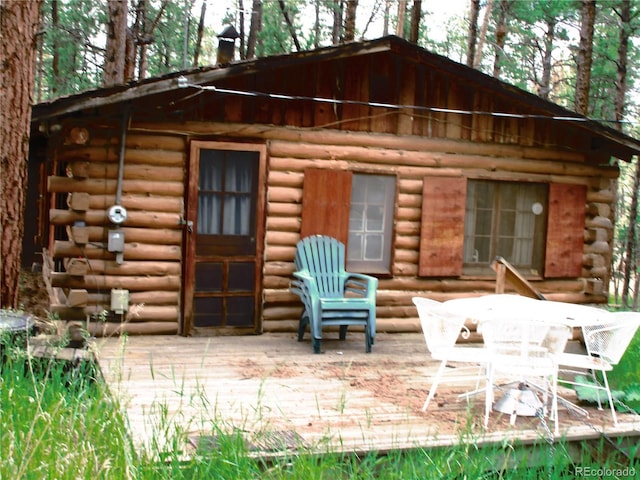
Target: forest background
(580, 54)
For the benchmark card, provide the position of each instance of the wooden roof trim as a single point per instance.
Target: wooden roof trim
(523, 97)
(623, 145)
(153, 86)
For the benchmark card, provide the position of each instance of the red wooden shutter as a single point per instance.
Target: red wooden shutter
(565, 230)
(326, 201)
(442, 229)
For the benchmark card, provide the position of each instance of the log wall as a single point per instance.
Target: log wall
(410, 160)
(153, 194)
(153, 190)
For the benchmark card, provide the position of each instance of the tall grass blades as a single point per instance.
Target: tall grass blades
(58, 422)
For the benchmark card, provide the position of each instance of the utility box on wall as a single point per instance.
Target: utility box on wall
(119, 300)
(116, 241)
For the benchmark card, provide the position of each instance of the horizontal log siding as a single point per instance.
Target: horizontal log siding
(152, 193)
(288, 159)
(291, 150)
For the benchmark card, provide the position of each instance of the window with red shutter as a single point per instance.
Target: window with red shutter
(355, 208)
(538, 228)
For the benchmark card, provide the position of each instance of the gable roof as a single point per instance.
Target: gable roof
(626, 146)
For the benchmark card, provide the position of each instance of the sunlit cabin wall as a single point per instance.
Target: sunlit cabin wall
(152, 192)
(411, 159)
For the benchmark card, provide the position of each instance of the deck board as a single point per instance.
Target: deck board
(343, 399)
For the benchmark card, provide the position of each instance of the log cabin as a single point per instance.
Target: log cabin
(173, 205)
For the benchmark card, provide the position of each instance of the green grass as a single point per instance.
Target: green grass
(625, 375)
(59, 422)
(624, 380)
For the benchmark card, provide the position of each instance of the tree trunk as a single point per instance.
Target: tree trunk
(55, 60)
(387, 14)
(196, 53)
(115, 51)
(501, 37)
(585, 55)
(146, 40)
(316, 24)
(631, 239)
(636, 287)
(402, 12)
(336, 32)
(292, 30)
(477, 59)
(416, 14)
(623, 50)
(472, 35)
(242, 47)
(254, 28)
(186, 17)
(134, 34)
(350, 21)
(39, 75)
(544, 86)
(18, 24)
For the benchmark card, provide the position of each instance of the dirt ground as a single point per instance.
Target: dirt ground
(448, 414)
(33, 297)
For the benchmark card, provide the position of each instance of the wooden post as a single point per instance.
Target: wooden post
(501, 271)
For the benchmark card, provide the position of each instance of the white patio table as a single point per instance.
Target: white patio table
(520, 308)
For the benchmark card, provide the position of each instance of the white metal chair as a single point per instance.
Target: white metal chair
(441, 329)
(518, 354)
(605, 344)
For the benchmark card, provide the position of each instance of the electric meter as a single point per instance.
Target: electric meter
(117, 214)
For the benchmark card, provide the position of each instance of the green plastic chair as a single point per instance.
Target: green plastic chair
(332, 296)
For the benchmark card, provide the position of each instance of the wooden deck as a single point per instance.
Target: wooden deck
(278, 394)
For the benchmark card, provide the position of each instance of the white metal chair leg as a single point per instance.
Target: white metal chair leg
(613, 409)
(434, 386)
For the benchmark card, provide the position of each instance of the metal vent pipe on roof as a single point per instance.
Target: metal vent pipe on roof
(227, 45)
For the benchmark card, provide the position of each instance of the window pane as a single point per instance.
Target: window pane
(210, 164)
(501, 220)
(482, 252)
(207, 312)
(356, 241)
(356, 217)
(375, 192)
(224, 200)
(208, 277)
(373, 247)
(484, 219)
(238, 175)
(240, 311)
(375, 218)
(507, 223)
(241, 276)
(210, 185)
(484, 195)
(371, 222)
(237, 215)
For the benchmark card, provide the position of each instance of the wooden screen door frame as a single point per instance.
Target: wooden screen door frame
(193, 255)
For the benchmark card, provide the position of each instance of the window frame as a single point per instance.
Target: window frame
(383, 265)
(499, 209)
